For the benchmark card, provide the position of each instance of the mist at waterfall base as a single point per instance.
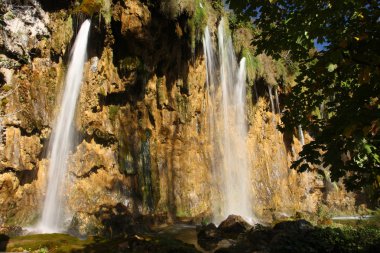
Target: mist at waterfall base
(226, 82)
(52, 218)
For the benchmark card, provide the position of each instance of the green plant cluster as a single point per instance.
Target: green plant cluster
(329, 240)
(275, 72)
(112, 112)
(198, 22)
(308, 239)
(91, 7)
(341, 75)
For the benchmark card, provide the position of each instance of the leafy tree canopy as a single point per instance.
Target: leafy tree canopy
(337, 93)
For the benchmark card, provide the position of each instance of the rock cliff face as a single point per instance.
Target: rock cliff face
(142, 122)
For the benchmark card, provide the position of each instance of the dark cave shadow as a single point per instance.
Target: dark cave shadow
(50, 6)
(118, 221)
(287, 138)
(156, 49)
(4, 239)
(259, 90)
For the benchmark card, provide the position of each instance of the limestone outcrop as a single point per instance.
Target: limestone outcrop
(142, 124)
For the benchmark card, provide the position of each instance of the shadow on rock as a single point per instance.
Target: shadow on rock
(109, 221)
(4, 239)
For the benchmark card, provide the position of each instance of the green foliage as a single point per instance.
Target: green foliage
(130, 64)
(42, 250)
(274, 72)
(180, 213)
(174, 8)
(253, 65)
(199, 18)
(323, 212)
(217, 5)
(292, 238)
(6, 88)
(3, 103)
(198, 22)
(328, 239)
(90, 7)
(112, 112)
(242, 34)
(344, 77)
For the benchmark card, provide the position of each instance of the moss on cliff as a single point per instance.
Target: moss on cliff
(198, 21)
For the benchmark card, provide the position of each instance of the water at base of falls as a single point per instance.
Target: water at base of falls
(62, 135)
(228, 128)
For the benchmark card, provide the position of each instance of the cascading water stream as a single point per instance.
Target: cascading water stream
(271, 99)
(300, 135)
(277, 101)
(228, 128)
(62, 136)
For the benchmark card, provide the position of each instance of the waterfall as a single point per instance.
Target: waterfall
(300, 135)
(226, 83)
(62, 136)
(277, 101)
(271, 99)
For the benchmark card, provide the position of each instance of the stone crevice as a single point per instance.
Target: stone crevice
(24, 176)
(93, 170)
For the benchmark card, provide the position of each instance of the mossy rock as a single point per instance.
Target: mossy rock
(112, 112)
(63, 243)
(130, 64)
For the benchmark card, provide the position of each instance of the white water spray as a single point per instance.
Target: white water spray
(228, 128)
(62, 136)
(300, 135)
(277, 101)
(271, 99)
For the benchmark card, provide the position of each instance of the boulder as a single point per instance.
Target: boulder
(296, 225)
(208, 236)
(233, 226)
(260, 238)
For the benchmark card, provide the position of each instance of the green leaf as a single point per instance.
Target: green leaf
(331, 67)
